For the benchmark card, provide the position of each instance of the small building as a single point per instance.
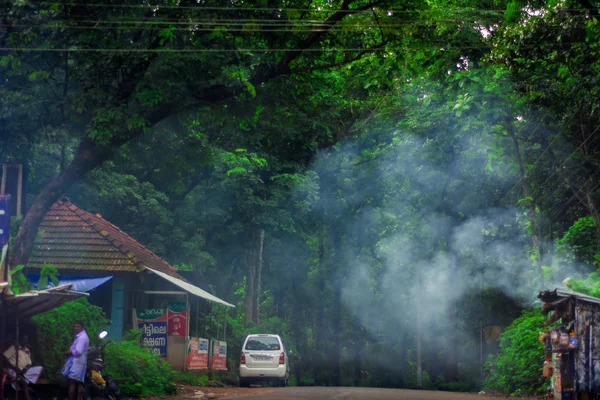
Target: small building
(573, 342)
(92, 253)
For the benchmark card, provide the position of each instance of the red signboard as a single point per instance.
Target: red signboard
(218, 360)
(197, 356)
(177, 315)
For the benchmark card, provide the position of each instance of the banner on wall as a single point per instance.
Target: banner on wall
(197, 354)
(177, 315)
(218, 360)
(153, 323)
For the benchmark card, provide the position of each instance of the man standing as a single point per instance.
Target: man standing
(74, 368)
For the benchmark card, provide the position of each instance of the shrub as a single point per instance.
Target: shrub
(190, 378)
(518, 366)
(138, 372)
(579, 242)
(55, 332)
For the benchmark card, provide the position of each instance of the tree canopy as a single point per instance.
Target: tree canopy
(383, 182)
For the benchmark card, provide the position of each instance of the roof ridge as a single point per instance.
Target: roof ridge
(89, 216)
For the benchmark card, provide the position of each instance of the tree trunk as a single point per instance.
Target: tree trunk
(358, 354)
(320, 315)
(418, 337)
(88, 156)
(254, 257)
(250, 280)
(593, 209)
(535, 240)
(260, 241)
(336, 319)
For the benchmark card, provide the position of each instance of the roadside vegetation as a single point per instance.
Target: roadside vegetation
(387, 185)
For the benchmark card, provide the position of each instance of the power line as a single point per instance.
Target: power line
(536, 161)
(256, 9)
(282, 9)
(575, 194)
(568, 158)
(244, 26)
(440, 45)
(259, 22)
(108, 50)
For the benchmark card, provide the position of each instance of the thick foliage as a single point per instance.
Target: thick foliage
(517, 368)
(579, 242)
(589, 285)
(138, 371)
(55, 331)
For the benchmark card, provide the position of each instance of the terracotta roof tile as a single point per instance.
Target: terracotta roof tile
(76, 239)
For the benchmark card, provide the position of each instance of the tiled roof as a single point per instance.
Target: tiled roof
(72, 238)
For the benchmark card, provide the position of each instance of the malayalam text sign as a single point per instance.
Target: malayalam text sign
(177, 315)
(219, 356)
(197, 357)
(153, 323)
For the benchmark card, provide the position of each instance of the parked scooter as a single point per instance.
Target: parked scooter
(96, 384)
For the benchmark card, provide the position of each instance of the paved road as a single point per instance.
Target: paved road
(334, 393)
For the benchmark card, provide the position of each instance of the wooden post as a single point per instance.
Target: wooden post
(19, 189)
(3, 183)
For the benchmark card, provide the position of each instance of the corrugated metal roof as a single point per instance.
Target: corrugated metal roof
(28, 304)
(553, 295)
(188, 287)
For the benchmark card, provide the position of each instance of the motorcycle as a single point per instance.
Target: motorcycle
(95, 383)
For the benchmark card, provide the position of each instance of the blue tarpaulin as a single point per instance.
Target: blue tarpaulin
(80, 284)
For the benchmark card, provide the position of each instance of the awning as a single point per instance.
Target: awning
(79, 284)
(554, 295)
(188, 287)
(28, 304)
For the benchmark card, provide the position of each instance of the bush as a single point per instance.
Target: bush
(579, 242)
(55, 332)
(138, 372)
(190, 378)
(518, 366)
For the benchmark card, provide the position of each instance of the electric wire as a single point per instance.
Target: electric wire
(281, 9)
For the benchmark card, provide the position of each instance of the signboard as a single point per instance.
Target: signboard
(177, 315)
(218, 360)
(153, 323)
(197, 353)
(4, 220)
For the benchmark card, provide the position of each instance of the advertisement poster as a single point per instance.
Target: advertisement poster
(197, 354)
(219, 356)
(153, 323)
(177, 316)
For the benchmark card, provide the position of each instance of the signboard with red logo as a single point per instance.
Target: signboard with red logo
(178, 316)
(218, 360)
(153, 323)
(197, 354)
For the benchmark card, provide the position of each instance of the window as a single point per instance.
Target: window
(262, 343)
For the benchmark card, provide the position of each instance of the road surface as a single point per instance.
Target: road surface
(337, 393)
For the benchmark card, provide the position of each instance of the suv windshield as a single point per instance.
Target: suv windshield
(262, 343)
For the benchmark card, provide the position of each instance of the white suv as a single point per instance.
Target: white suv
(263, 358)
